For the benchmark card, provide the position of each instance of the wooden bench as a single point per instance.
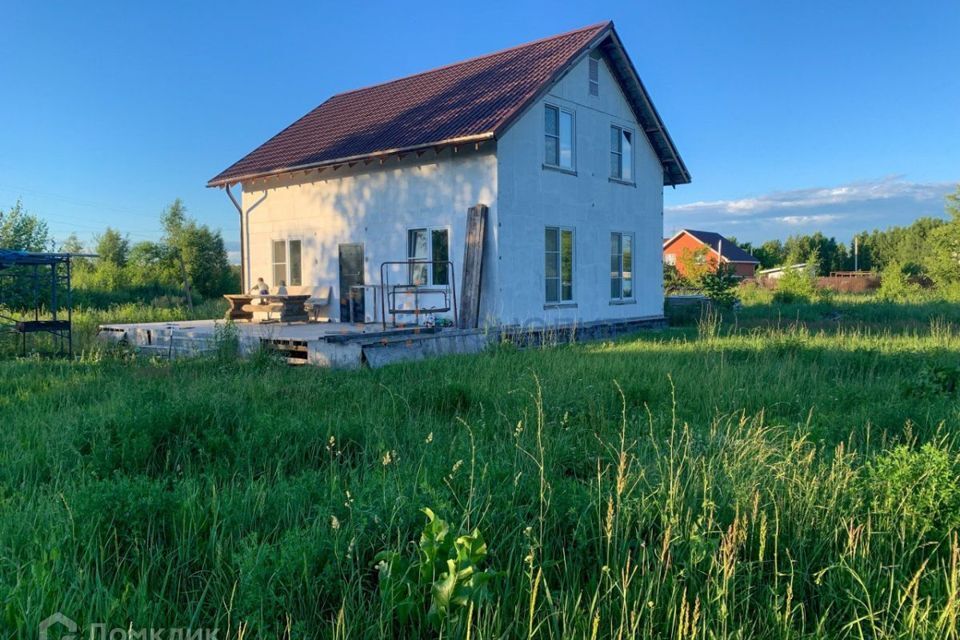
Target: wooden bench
(289, 307)
(299, 303)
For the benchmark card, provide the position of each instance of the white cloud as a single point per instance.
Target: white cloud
(800, 220)
(840, 210)
(882, 189)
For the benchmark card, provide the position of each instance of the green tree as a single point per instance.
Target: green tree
(201, 249)
(695, 264)
(23, 231)
(943, 262)
(113, 248)
(907, 246)
(149, 265)
(832, 255)
(770, 254)
(72, 244)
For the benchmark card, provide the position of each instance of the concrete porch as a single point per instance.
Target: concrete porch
(327, 344)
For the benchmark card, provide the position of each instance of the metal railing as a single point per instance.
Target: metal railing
(390, 292)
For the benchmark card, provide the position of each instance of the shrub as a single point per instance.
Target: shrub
(753, 292)
(797, 285)
(896, 285)
(932, 381)
(917, 488)
(720, 286)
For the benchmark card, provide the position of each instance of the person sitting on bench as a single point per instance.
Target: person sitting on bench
(260, 288)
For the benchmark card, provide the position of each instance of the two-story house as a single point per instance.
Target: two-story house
(558, 138)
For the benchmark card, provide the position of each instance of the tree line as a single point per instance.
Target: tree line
(927, 247)
(189, 257)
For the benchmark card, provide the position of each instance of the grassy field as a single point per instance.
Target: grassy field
(791, 472)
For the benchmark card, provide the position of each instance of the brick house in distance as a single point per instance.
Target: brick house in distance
(718, 249)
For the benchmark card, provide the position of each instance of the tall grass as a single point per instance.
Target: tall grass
(766, 479)
(86, 320)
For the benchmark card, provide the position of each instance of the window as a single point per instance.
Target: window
(621, 266)
(287, 253)
(293, 251)
(621, 153)
(670, 258)
(279, 262)
(429, 246)
(558, 265)
(594, 81)
(558, 134)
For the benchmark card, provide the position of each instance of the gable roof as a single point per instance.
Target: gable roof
(469, 101)
(731, 252)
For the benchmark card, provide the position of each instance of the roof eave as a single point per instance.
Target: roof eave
(659, 127)
(228, 180)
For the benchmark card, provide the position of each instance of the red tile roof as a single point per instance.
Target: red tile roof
(471, 100)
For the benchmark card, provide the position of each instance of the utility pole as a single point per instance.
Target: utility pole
(856, 253)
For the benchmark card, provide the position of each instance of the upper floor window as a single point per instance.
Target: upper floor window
(558, 137)
(621, 153)
(594, 81)
(432, 248)
(558, 264)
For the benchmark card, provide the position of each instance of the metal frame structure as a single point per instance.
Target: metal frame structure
(44, 298)
(388, 292)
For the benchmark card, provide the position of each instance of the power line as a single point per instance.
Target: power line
(83, 203)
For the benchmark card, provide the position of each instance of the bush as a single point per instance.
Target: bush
(896, 285)
(932, 381)
(798, 285)
(915, 488)
(753, 292)
(720, 286)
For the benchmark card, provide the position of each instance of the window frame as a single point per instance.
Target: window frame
(287, 263)
(623, 131)
(547, 162)
(620, 273)
(431, 270)
(560, 301)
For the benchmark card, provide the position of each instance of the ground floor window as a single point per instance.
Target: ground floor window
(558, 264)
(621, 266)
(287, 263)
(432, 247)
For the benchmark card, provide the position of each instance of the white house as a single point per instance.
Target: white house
(558, 138)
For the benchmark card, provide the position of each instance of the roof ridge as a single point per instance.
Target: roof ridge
(595, 26)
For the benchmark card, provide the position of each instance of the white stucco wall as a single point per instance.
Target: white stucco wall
(375, 206)
(532, 197)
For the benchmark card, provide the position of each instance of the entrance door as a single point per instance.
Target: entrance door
(351, 274)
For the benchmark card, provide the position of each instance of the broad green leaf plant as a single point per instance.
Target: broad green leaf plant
(446, 569)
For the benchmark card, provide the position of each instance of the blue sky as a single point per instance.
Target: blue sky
(792, 117)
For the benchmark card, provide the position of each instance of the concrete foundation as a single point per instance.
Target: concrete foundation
(350, 346)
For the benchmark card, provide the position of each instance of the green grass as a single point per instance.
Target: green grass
(87, 319)
(782, 475)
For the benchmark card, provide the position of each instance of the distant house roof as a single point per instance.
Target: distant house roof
(466, 102)
(731, 252)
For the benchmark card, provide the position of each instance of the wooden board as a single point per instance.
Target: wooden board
(472, 267)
